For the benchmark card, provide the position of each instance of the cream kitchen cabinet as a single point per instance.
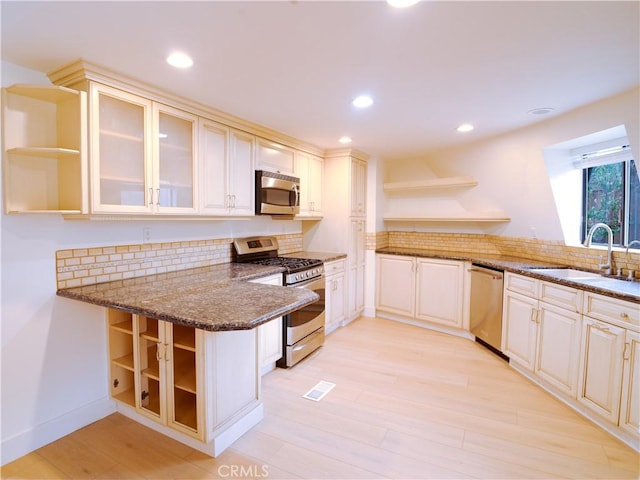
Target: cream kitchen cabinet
(630, 402)
(600, 382)
(335, 301)
(358, 187)
(339, 230)
(274, 157)
(143, 155)
(609, 363)
(199, 387)
(541, 336)
(356, 256)
(421, 289)
(270, 334)
(45, 149)
(226, 166)
(310, 170)
(395, 286)
(440, 291)
(155, 368)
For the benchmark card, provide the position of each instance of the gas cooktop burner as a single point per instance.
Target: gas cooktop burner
(291, 265)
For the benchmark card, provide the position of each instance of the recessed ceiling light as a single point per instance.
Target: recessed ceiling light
(179, 60)
(363, 101)
(465, 127)
(345, 140)
(540, 111)
(402, 3)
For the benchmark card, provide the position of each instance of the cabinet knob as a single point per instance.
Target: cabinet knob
(144, 394)
(624, 315)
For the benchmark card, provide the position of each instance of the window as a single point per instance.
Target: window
(611, 195)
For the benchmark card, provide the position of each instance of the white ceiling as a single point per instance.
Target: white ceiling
(295, 66)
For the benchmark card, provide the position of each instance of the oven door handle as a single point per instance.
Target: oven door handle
(308, 283)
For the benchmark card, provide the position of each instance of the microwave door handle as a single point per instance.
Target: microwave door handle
(297, 202)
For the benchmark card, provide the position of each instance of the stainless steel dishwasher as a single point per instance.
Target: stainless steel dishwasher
(486, 307)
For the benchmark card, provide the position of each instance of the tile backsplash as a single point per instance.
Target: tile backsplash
(529, 248)
(85, 266)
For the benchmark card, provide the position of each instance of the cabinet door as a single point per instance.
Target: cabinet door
(439, 292)
(356, 268)
(519, 328)
(316, 184)
(121, 150)
(395, 284)
(310, 171)
(270, 333)
(630, 404)
(600, 376)
(558, 347)
(335, 302)
(241, 176)
(358, 187)
(152, 354)
(274, 157)
(174, 168)
(214, 167)
(185, 378)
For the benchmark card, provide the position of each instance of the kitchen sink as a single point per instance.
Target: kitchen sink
(566, 273)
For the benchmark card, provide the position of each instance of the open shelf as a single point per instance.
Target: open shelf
(431, 184)
(125, 361)
(467, 217)
(45, 161)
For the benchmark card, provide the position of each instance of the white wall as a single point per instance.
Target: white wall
(54, 368)
(511, 169)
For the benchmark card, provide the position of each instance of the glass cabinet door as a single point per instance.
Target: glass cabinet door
(120, 151)
(152, 353)
(175, 154)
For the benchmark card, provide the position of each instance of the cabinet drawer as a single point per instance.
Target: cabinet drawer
(525, 285)
(333, 267)
(565, 297)
(612, 310)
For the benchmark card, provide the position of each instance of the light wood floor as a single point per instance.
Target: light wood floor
(408, 403)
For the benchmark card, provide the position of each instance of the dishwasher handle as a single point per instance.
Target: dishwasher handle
(494, 275)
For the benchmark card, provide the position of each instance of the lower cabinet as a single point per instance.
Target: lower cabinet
(601, 368)
(541, 337)
(423, 289)
(270, 334)
(155, 369)
(580, 345)
(199, 387)
(610, 361)
(335, 300)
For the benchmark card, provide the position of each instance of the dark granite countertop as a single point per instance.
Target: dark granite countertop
(611, 287)
(212, 298)
(324, 256)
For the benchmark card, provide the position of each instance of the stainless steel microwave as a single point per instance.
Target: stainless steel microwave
(277, 194)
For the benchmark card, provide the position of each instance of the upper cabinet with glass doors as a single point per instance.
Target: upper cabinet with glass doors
(142, 155)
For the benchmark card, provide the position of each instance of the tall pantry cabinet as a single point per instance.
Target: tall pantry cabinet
(344, 221)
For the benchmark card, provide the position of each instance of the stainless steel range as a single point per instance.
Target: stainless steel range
(303, 330)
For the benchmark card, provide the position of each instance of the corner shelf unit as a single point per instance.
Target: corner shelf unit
(45, 139)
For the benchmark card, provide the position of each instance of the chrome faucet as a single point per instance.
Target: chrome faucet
(631, 243)
(587, 243)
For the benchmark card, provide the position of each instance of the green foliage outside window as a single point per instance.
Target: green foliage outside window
(605, 201)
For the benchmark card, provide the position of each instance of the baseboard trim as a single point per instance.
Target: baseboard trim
(40, 435)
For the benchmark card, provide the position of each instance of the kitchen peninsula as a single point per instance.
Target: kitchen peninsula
(184, 350)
